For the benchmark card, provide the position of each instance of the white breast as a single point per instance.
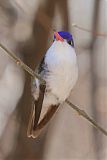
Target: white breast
(62, 65)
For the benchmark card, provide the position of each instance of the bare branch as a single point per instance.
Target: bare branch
(86, 116)
(89, 31)
(19, 62)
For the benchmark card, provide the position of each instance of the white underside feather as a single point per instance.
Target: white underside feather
(63, 73)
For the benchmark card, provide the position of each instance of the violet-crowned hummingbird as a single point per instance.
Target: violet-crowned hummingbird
(59, 69)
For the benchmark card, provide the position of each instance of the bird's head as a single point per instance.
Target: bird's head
(64, 36)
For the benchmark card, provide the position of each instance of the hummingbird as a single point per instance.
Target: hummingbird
(59, 69)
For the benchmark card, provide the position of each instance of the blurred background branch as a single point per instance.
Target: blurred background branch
(89, 31)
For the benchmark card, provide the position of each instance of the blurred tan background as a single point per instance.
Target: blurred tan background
(25, 28)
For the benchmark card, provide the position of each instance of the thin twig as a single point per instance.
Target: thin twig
(86, 116)
(19, 62)
(89, 31)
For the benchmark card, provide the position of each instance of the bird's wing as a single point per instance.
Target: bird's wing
(39, 118)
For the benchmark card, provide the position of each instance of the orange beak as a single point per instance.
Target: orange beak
(58, 37)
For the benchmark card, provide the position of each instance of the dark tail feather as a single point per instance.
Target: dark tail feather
(44, 121)
(36, 111)
(31, 122)
(38, 105)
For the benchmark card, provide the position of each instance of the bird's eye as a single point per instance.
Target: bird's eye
(69, 42)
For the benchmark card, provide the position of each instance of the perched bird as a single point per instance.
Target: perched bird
(60, 71)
